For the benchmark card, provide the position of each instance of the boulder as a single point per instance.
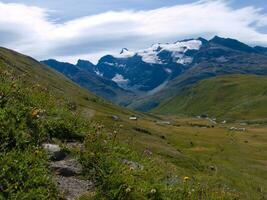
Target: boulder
(68, 167)
(54, 151)
(72, 187)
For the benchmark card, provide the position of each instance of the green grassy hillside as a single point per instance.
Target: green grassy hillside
(238, 97)
(186, 159)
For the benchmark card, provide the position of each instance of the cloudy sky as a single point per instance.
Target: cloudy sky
(87, 29)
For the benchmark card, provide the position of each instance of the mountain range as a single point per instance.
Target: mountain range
(158, 153)
(147, 78)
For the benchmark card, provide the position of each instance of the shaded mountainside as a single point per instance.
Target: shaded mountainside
(139, 73)
(234, 96)
(83, 74)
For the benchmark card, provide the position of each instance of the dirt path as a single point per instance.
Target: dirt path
(67, 172)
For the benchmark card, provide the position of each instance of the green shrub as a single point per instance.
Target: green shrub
(30, 115)
(25, 175)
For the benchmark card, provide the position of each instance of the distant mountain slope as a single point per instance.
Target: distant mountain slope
(83, 74)
(235, 96)
(219, 56)
(145, 78)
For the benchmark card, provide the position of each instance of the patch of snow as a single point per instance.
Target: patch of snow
(121, 65)
(178, 50)
(184, 60)
(98, 73)
(108, 63)
(168, 70)
(120, 80)
(182, 46)
(149, 57)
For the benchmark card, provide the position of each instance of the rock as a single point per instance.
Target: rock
(69, 167)
(115, 117)
(132, 164)
(173, 180)
(71, 187)
(54, 151)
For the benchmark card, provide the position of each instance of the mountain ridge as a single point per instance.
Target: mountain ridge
(160, 71)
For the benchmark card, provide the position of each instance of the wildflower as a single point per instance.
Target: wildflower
(35, 113)
(186, 178)
(153, 191)
(128, 190)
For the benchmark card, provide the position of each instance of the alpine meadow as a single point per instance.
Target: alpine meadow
(179, 113)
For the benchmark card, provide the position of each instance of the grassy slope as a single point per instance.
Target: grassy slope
(37, 73)
(237, 96)
(186, 150)
(240, 158)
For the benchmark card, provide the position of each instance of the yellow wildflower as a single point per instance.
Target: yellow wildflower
(35, 113)
(186, 178)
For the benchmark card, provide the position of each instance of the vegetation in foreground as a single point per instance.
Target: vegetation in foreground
(188, 159)
(30, 115)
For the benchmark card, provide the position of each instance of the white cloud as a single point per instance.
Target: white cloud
(32, 31)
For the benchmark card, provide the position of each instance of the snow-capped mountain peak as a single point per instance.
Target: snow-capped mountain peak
(178, 49)
(125, 53)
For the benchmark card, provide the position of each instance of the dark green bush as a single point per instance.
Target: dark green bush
(24, 175)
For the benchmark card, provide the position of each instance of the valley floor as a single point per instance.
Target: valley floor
(232, 156)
